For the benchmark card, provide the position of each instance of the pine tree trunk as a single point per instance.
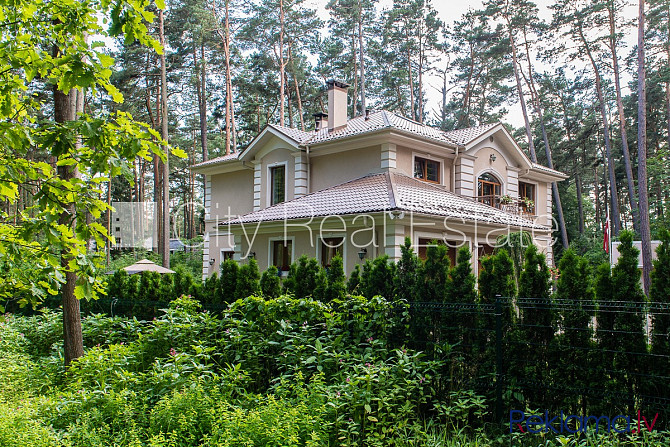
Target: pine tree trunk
(524, 110)
(361, 54)
(281, 63)
(622, 120)
(535, 98)
(165, 241)
(202, 96)
(642, 152)
(297, 90)
(614, 199)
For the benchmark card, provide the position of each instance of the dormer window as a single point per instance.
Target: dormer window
(427, 170)
(277, 184)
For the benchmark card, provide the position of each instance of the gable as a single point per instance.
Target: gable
(498, 141)
(268, 140)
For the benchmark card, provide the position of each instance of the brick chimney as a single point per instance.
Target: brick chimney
(337, 104)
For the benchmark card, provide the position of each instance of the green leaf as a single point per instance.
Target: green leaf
(179, 153)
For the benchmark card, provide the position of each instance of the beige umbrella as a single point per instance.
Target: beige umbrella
(146, 266)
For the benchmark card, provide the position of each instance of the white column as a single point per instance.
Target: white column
(394, 238)
(512, 188)
(257, 184)
(205, 256)
(465, 172)
(300, 186)
(388, 156)
(237, 254)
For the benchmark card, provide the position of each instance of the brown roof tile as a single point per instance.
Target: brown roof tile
(386, 191)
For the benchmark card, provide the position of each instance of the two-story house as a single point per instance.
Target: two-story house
(359, 186)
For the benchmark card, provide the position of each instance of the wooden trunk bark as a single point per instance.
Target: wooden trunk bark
(614, 196)
(622, 121)
(165, 241)
(642, 151)
(65, 109)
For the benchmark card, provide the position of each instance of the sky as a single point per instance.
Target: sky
(449, 11)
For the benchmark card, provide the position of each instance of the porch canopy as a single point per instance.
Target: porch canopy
(146, 266)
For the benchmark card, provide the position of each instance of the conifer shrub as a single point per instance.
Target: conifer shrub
(335, 280)
(574, 296)
(248, 280)
(209, 293)
(354, 281)
(302, 277)
(629, 322)
(434, 273)
(407, 269)
(228, 281)
(377, 278)
(660, 294)
(270, 283)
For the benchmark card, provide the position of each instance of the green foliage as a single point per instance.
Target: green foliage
(629, 320)
(336, 280)
(302, 277)
(574, 295)
(377, 278)
(660, 294)
(496, 277)
(516, 244)
(406, 272)
(353, 284)
(270, 283)
(228, 280)
(99, 143)
(248, 280)
(434, 273)
(149, 286)
(534, 280)
(461, 282)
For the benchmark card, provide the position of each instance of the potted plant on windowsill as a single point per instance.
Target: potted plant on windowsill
(528, 204)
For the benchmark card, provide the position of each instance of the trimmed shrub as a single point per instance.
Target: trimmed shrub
(228, 280)
(335, 280)
(248, 280)
(406, 273)
(270, 283)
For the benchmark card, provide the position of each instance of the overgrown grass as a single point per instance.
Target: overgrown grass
(281, 372)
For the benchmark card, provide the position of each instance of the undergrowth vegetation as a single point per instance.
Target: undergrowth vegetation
(277, 372)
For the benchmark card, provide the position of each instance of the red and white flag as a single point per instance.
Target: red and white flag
(606, 238)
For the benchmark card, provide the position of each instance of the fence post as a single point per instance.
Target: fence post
(499, 359)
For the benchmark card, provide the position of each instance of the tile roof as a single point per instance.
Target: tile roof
(377, 120)
(213, 161)
(382, 192)
(543, 168)
(293, 133)
(464, 136)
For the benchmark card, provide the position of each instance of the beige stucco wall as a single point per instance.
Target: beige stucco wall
(333, 169)
(232, 191)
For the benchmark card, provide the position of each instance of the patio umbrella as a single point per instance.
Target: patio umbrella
(146, 266)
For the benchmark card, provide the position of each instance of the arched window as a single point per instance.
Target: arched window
(488, 189)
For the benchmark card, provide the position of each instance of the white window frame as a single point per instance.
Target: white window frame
(268, 201)
(416, 155)
(283, 239)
